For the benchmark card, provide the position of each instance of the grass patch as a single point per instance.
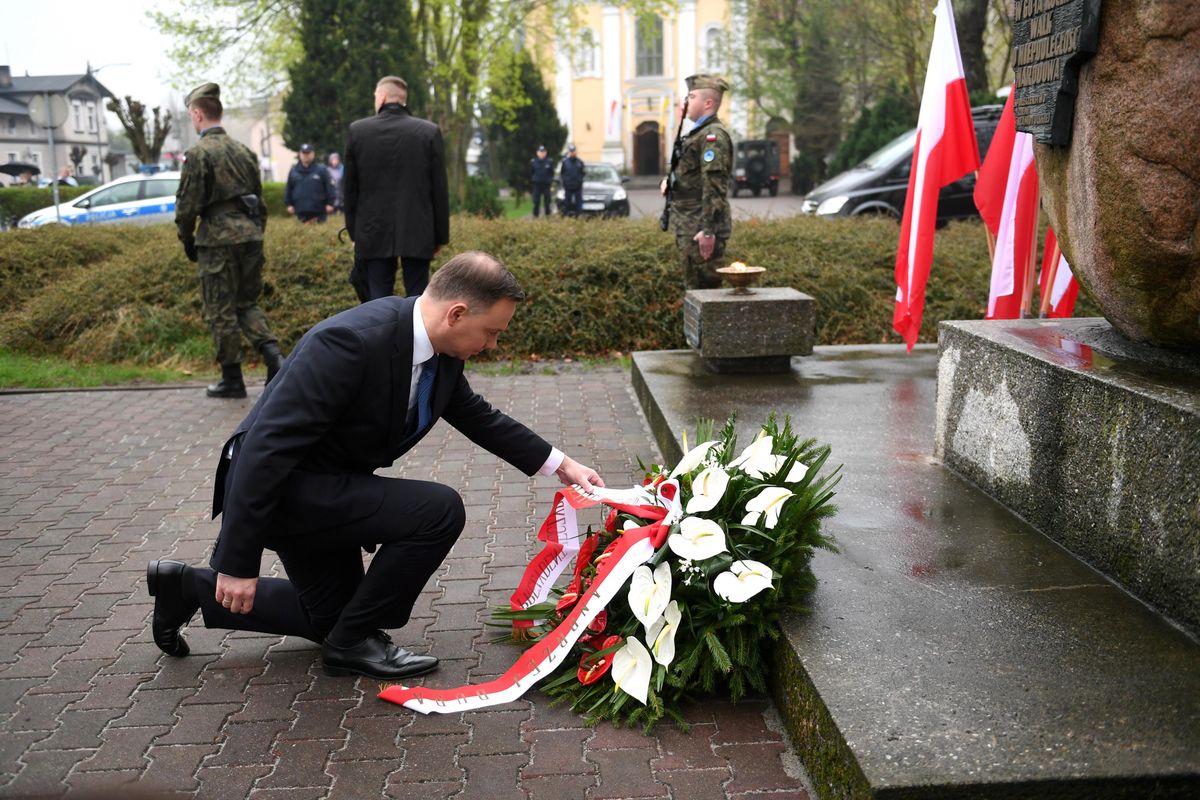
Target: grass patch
(515, 209)
(49, 372)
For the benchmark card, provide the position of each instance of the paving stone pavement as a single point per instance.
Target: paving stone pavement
(95, 484)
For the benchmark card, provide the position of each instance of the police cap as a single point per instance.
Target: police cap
(306, 148)
(203, 90)
(706, 81)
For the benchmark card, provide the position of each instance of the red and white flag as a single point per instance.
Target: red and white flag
(1006, 195)
(945, 151)
(1057, 286)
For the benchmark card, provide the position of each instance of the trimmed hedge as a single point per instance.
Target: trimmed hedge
(17, 201)
(120, 293)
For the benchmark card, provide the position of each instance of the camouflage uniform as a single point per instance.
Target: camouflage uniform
(700, 197)
(228, 243)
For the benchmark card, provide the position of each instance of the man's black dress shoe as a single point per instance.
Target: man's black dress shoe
(171, 608)
(375, 657)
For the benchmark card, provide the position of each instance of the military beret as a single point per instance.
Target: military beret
(203, 90)
(706, 81)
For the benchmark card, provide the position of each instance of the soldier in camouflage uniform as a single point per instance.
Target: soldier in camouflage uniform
(699, 185)
(222, 188)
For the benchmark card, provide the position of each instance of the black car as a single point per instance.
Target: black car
(603, 194)
(755, 167)
(879, 185)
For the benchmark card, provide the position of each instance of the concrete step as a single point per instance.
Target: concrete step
(952, 651)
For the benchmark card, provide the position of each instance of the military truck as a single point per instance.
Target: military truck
(755, 167)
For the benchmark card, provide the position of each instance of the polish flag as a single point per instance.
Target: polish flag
(945, 151)
(1057, 287)
(1006, 195)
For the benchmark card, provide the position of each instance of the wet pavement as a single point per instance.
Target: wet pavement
(952, 650)
(95, 484)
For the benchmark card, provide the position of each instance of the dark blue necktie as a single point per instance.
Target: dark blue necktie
(425, 392)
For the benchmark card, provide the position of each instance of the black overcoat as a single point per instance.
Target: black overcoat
(394, 187)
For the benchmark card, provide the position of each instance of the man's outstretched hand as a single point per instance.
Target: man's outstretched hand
(236, 594)
(571, 471)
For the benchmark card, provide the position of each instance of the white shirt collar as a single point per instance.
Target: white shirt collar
(422, 347)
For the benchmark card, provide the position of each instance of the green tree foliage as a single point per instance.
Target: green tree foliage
(817, 110)
(346, 47)
(876, 125)
(246, 45)
(519, 116)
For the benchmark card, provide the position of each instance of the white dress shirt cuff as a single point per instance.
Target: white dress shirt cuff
(553, 462)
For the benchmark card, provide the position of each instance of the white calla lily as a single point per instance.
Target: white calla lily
(743, 580)
(661, 636)
(692, 459)
(650, 592)
(631, 669)
(757, 460)
(768, 502)
(795, 474)
(707, 490)
(697, 539)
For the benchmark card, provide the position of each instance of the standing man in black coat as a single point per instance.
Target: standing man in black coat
(297, 476)
(572, 173)
(395, 192)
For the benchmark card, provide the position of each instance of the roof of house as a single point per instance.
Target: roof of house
(34, 84)
(11, 106)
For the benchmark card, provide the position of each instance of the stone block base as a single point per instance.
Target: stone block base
(1093, 439)
(764, 328)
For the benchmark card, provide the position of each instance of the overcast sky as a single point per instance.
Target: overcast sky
(59, 37)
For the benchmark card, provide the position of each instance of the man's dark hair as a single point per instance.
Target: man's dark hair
(210, 107)
(476, 278)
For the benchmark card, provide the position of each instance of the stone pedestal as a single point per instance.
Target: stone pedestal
(758, 332)
(1095, 440)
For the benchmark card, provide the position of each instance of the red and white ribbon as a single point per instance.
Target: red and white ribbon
(560, 531)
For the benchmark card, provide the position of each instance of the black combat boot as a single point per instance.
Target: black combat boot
(273, 358)
(231, 385)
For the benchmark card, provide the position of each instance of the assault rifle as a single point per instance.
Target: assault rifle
(664, 221)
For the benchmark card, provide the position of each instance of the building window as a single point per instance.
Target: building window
(78, 107)
(12, 157)
(91, 116)
(12, 125)
(713, 45)
(587, 53)
(649, 47)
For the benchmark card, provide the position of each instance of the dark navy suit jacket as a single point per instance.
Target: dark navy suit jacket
(338, 411)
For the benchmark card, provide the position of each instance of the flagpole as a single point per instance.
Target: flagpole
(991, 240)
(1027, 294)
(1056, 256)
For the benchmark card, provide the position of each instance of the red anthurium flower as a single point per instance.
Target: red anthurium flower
(569, 597)
(610, 523)
(593, 665)
(598, 624)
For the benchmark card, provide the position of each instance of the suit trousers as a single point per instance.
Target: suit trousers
(328, 594)
(381, 276)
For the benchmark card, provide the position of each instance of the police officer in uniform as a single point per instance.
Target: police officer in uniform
(221, 188)
(699, 185)
(541, 175)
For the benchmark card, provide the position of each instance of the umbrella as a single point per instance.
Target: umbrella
(17, 168)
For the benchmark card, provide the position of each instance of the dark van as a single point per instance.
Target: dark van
(879, 185)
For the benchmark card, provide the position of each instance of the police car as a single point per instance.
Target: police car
(135, 198)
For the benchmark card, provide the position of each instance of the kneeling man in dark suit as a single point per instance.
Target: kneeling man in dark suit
(297, 476)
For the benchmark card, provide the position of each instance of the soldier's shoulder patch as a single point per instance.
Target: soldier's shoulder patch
(712, 137)
(709, 155)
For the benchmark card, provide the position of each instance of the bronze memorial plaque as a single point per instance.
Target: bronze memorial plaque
(1051, 39)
